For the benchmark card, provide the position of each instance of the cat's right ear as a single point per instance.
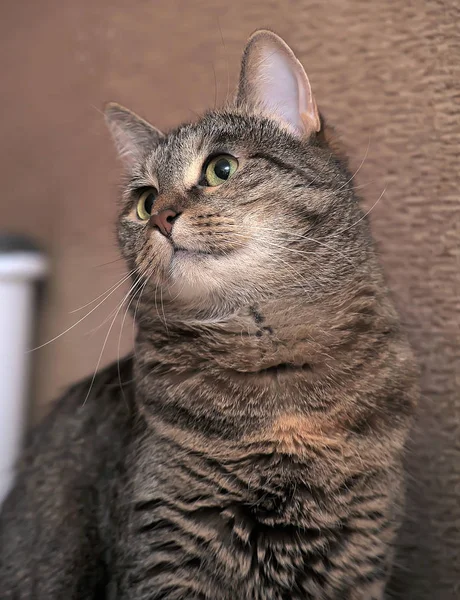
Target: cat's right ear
(273, 81)
(133, 136)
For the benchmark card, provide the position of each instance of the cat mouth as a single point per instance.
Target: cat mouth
(179, 251)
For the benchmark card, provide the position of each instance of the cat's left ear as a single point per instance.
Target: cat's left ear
(273, 80)
(133, 136)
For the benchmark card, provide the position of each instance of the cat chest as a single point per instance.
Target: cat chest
(240, 547)
(241, 526)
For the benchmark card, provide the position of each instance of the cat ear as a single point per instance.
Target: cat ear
(133, 136)
(274, 81)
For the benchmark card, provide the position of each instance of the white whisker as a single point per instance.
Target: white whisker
(163, 310)
(302, 237)
(83, 318)
(359, 168)
(107, 337)
(139, 299)
(365, 214)
(100, 295)
(305, 252)
(121, 330)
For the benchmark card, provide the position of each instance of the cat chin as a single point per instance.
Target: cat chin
(195, 286)
(212, 282)
(191, 280)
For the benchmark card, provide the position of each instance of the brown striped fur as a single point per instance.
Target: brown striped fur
(251, 448)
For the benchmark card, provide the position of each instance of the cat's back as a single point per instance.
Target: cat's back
(90, 418)
(66, 478)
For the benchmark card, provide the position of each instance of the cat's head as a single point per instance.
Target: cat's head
(248, 203)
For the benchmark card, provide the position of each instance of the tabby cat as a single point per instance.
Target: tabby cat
(250, 448)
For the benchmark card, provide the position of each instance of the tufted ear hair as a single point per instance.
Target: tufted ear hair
(133, 136)
(273, 80)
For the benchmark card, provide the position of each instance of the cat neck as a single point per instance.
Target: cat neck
(251, 340)
(234, 374)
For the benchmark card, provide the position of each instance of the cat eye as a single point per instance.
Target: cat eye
(219, 169)
(145, 203)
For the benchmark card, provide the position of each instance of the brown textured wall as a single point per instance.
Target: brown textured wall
(386, 73)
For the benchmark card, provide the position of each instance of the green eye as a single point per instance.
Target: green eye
(145, 203)
(219, 169)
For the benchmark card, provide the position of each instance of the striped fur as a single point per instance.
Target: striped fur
(251, 448)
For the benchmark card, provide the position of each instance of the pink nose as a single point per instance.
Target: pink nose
(164, 221)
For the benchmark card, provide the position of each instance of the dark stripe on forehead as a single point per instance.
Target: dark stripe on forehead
(313, 180)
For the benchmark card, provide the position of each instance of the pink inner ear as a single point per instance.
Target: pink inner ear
(279, 88)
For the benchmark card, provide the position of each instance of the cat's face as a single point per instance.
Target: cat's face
(245, 204)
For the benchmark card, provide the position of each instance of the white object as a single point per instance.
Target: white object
(19, 270)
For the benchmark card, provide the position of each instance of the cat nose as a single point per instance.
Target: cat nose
(164, 221)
